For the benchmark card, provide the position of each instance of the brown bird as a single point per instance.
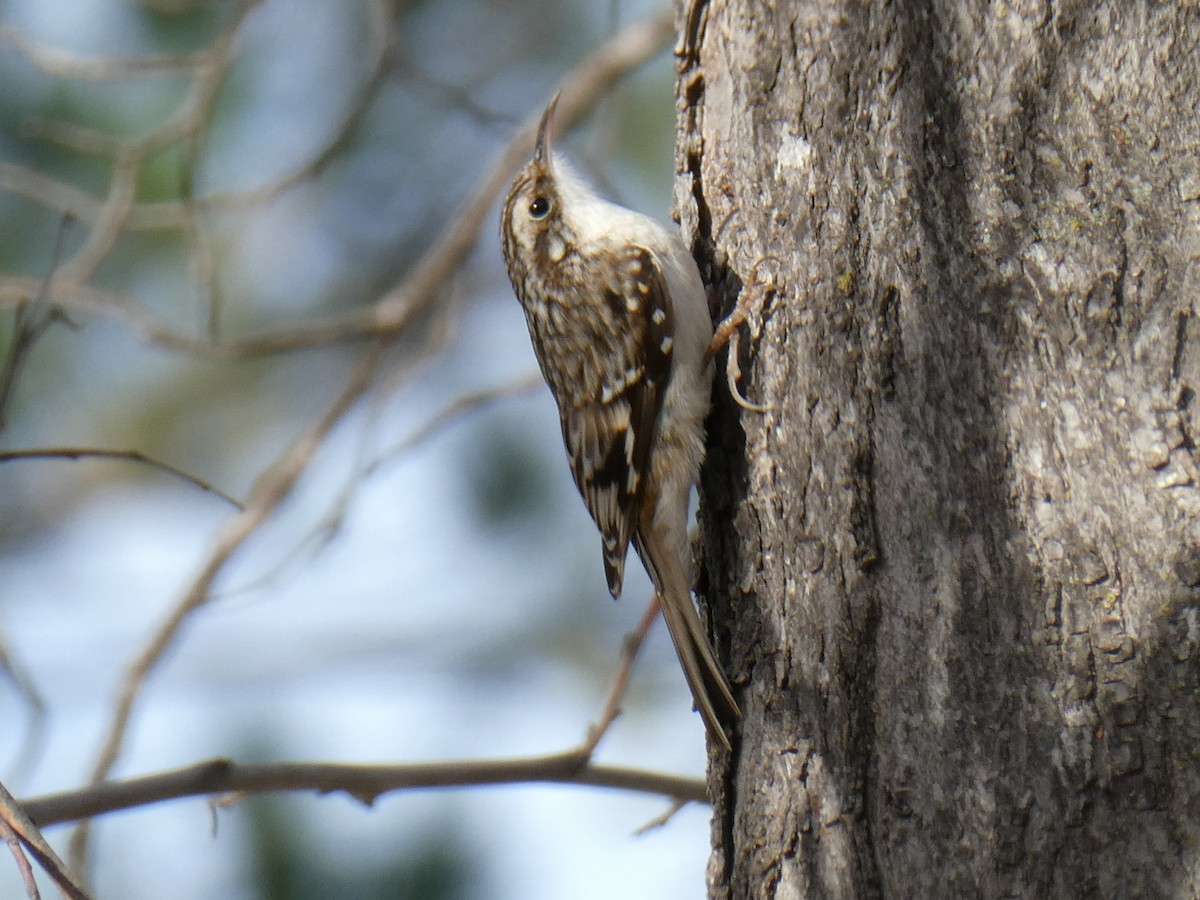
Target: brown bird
(619, 322)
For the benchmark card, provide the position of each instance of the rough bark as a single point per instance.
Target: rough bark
(955, 568)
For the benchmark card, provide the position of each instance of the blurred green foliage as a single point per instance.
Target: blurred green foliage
(441, 867)
(506, 479)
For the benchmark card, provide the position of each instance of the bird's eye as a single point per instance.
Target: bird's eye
(539, 208)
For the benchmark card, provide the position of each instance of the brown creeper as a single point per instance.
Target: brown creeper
(619, 322)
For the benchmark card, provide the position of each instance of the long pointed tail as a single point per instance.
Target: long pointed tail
(709, 686)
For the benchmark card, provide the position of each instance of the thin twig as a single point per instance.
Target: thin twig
(49, 192)
(459, 408)
(18, 852)
(194, 122)
(86, 298)
(163, 214)
(26, 830)
(366, 783)
(35, 734)
(630, 648)
(74, 136)
(663, 818)
(317, 538)
(29, 324)
(325, 530)
(53, 61)
(171, 214)
(136, 456)
(114, 213)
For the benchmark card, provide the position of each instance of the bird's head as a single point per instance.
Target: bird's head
(535, 225)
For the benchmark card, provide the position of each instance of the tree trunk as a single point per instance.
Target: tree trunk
(954, 568)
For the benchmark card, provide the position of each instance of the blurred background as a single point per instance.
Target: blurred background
(433, 587)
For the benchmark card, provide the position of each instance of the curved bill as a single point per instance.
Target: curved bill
(546, 131)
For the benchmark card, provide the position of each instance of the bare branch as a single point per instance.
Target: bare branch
(631, 647)
(269, 491)
(624, 52)
(85, 298)
(165, 214)
(56, 62)
(80, 138)
(187, 121)
(330, 524)
(76, 453)
(35, 734)
(365, 783)
(457, 409)
(30, 322)
(55, 195)
(14, 846)
(20, 825)
(662, 819)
